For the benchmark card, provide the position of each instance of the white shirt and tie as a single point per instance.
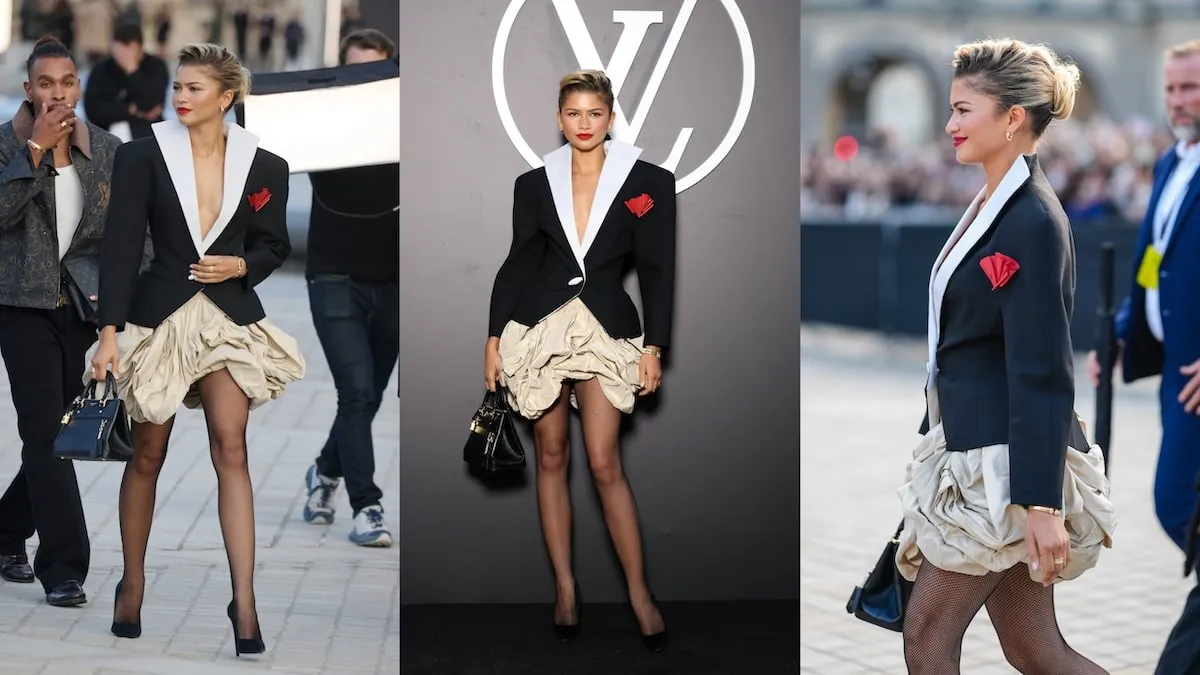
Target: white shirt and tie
(1166, 214)
(68, 205)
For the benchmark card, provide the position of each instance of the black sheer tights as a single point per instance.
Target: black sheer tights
(1021, 610)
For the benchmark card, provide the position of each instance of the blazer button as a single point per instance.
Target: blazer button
(575, 282)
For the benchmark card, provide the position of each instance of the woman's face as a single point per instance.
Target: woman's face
(584, 119)
(197, 96)
(977, 126)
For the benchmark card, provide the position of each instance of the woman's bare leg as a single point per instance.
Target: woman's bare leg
(135, 507)
(601, 436)
(552, 445)
(226, 411)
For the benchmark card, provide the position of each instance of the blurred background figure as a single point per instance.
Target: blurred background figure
(162, 30)
(266, 39)
(293, 42)
(129, 88)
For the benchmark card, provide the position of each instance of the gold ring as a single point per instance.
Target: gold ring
(63, 124)
(1058, 561)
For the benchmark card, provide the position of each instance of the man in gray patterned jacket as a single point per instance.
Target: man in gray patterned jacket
(54, 192)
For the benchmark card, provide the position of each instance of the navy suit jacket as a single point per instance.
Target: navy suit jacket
(1178, 286)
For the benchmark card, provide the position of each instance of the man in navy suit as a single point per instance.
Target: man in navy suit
(1158, 327)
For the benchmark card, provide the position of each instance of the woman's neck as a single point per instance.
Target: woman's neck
(998, 166)
(587, 162)
(207, 139)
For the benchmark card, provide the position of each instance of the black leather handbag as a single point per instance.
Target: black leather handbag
(95, 429)
(883, 597)
(494, 445)
(81, 279)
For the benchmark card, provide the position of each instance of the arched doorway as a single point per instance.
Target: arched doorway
(884, 96)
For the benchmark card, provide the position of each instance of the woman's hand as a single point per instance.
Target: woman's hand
(106, 355)
(650, 374)
(1048, 544)
(213, 269)
(491, 363)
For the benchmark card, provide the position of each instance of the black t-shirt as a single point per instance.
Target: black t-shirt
(354, 228)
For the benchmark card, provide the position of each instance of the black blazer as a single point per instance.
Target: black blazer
(1003, 357)
(154, 181)
(547, 266)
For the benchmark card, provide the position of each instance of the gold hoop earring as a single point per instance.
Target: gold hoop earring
(1009, 136)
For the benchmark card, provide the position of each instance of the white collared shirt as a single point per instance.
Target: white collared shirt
(1166, 214)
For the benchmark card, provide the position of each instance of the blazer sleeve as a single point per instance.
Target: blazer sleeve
(125, 227)
(1039, 361)
(524, 258)
(267, 241)
(654, 256)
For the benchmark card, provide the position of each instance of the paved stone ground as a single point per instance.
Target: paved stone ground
(325, 605)
(861, 403)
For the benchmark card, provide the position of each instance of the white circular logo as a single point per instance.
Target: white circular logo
(635, 24)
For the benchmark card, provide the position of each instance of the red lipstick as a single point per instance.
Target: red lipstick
(182, 111)
(959, 140)
(583, 137)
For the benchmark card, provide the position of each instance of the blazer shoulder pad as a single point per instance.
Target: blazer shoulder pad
(271, 161)
(530, 177)
(654, 171)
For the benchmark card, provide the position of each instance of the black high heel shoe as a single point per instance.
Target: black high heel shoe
(568, 632)
(241, 645)
(124, 629)
(656, 642)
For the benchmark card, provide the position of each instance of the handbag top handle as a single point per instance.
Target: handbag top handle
(109, 389)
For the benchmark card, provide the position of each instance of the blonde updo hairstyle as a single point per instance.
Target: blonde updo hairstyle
(224, 67)
(1019, 74)
(586, 81)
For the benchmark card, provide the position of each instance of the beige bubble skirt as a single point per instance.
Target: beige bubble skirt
(160, 367)
(569, 344)
(957, 513)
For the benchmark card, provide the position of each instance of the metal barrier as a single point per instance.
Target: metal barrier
(875, 275)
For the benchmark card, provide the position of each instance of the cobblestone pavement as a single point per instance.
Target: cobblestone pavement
(861, 403)
(326, 606)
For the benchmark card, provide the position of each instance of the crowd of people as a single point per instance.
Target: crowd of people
(1102, 171)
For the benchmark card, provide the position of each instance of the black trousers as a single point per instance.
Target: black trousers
(358, 323)
(44, 351)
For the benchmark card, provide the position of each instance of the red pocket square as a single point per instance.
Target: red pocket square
(999, 268)
(259, 199)
(640, 204)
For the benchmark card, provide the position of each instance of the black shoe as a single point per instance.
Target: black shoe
(656, 642)
(241, 645)
(15, 568)
(67, 594)
(568, 632)
(124, 629)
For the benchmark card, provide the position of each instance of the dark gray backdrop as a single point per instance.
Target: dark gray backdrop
(714, 463)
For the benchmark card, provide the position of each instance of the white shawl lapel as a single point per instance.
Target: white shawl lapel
(176, 145)
(619, 159)
(953, 252)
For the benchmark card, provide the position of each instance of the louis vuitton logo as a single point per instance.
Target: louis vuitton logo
(635, 26)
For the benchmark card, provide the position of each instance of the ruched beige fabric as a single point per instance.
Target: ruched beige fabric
(569, 344)
(159, 367)
(957, 513)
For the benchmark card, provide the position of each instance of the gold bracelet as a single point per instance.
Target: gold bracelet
(652, 351)
(1046, 509)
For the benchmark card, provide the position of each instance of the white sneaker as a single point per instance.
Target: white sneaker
(321, 490)
(369, 528)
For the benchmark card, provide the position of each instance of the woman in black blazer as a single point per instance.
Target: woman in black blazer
(563, 331)
(1004, 460)
(191, 329)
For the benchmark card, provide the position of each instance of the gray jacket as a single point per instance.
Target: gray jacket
(30, 274)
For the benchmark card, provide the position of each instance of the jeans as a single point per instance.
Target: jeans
(358, 324)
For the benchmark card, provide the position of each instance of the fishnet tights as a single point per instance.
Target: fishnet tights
(943, 604)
